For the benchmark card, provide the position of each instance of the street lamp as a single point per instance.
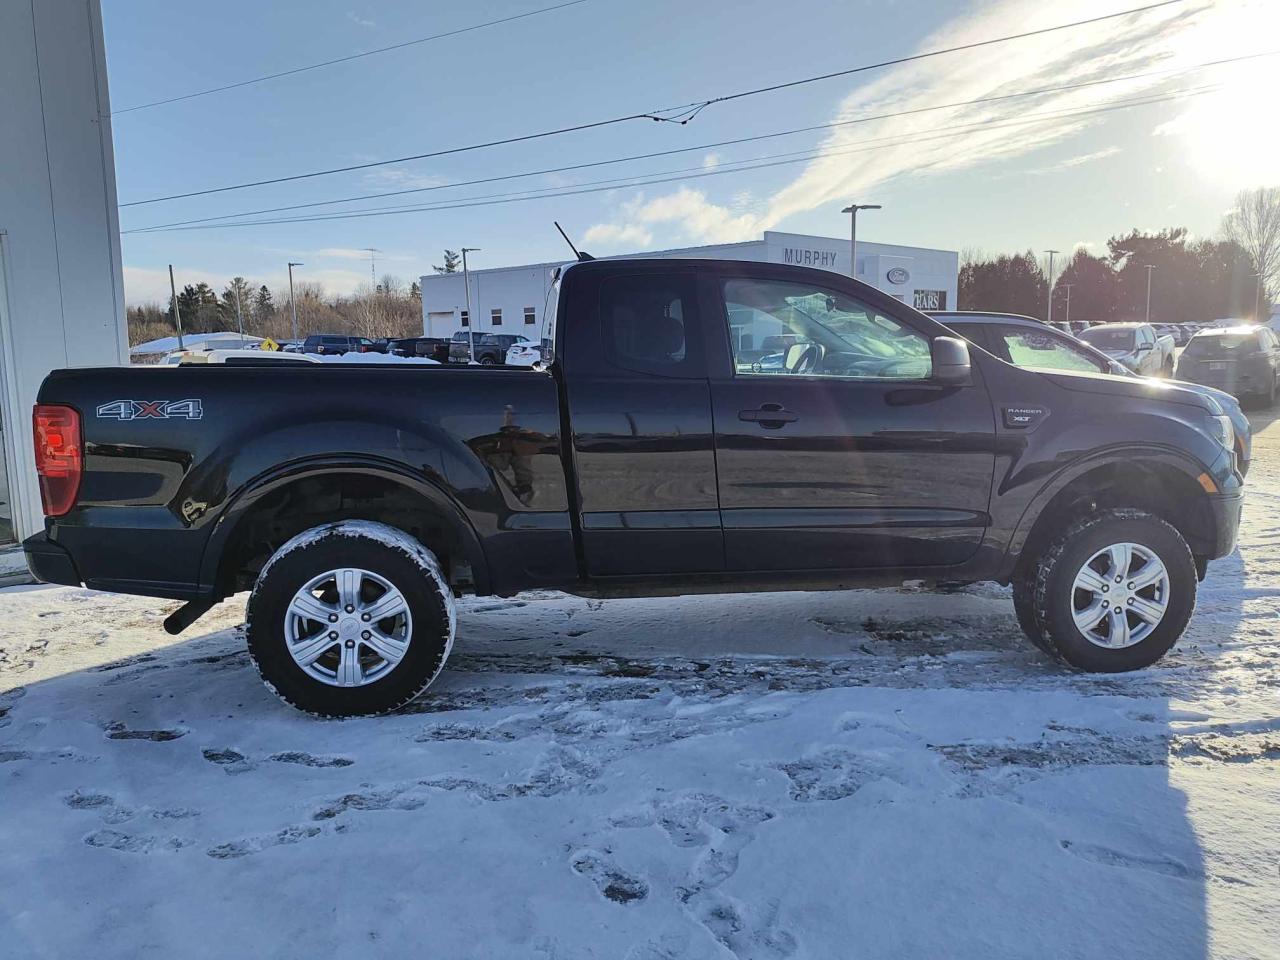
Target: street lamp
(1052, 254)
(293, 304)
(1068, 287)
(852, 210)
(1150, 267)
(471, 320)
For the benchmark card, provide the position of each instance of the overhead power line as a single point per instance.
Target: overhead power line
(346, 59)
(682, 114)
(1041, 91)
(694, 173)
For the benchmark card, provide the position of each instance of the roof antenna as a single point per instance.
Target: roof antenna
(577, 253)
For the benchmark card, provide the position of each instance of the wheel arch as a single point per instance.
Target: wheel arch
(1164, 482)
(273, 507)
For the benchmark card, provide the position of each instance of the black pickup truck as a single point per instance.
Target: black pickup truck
(705, 426)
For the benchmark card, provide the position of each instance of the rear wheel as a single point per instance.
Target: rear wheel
(350, 619)
(1114, 592)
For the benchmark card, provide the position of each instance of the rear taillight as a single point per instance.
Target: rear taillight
(59, 461)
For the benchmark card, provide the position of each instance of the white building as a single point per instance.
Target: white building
(61, 289)
(512, 299)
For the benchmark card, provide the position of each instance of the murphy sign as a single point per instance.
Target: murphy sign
(807, 257)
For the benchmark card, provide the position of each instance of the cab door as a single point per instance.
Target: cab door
(639, 412)
(838, 451)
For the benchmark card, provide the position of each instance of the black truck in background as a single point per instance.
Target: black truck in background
(705, 426)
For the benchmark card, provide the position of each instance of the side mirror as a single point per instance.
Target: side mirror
(1144, 347)
(950, 361)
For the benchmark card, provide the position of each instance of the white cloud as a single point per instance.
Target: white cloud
(610, 236)
(915, 144)
(359, 20)
(1077, 161)
(391, 178)
(711, 161)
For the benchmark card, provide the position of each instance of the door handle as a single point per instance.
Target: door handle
(771, 416)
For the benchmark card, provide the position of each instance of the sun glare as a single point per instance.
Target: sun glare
(1232, 135)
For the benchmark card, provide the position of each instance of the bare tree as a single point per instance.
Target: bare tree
(1254, 223)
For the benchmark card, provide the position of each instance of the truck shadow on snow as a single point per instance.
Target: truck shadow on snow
(941, 776)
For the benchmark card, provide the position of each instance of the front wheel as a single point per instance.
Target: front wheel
(1114, 592)
(350, 619)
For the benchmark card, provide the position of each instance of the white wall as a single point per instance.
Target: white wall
(508, 289)
(61, 299)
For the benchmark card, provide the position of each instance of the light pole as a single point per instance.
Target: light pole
(1150, 267)
(1068, 287)
(852, 210)
(1052, 254)
(1257, 299)
(293, 304)
(471, 320)
(177, 316)
(239, 313)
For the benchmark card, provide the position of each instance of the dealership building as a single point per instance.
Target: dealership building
(512, 299)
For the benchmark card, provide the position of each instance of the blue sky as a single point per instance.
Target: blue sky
(1025, 173)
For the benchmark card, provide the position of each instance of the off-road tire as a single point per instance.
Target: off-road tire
(380, 549)
(1024, 608)
(1048, 621)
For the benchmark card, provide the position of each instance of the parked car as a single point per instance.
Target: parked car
(527, 354)
(336, 344)
(1136, 345)
(257, 358)
(650, 460)
(1023, 341)
(436, 348)
(490, 348)
(1244, 361)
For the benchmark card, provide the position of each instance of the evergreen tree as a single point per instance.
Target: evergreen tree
(452, 261)
(1008, 284)
(263, 307)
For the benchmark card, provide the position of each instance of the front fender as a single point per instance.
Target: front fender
(1148, 455)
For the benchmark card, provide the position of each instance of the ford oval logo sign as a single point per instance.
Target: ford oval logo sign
(898, 275)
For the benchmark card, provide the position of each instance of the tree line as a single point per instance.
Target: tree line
(388, 309)
(1234, 275)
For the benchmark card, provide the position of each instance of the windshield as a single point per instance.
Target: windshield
(1105, 339)
(1216, 346)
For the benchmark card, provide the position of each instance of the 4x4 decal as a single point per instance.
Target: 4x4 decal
(151, 410)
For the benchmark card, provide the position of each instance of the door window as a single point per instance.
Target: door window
(643, 325)
(780, 328)
(1025, 347)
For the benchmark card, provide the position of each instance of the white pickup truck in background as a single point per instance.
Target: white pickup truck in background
(1136, 345)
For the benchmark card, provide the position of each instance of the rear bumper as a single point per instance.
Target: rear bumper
(50, 562)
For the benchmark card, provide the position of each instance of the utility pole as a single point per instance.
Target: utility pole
(852, 210)
(239, 313)
(293, 304)
(373, 267)
(1068, 286)
(1257, 299)
(471, 319)
(1150, 267)
(177, 315)
(1052, 254)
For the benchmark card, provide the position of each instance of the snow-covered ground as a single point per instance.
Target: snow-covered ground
(884, 774)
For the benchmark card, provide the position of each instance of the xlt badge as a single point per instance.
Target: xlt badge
(1022, 418)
